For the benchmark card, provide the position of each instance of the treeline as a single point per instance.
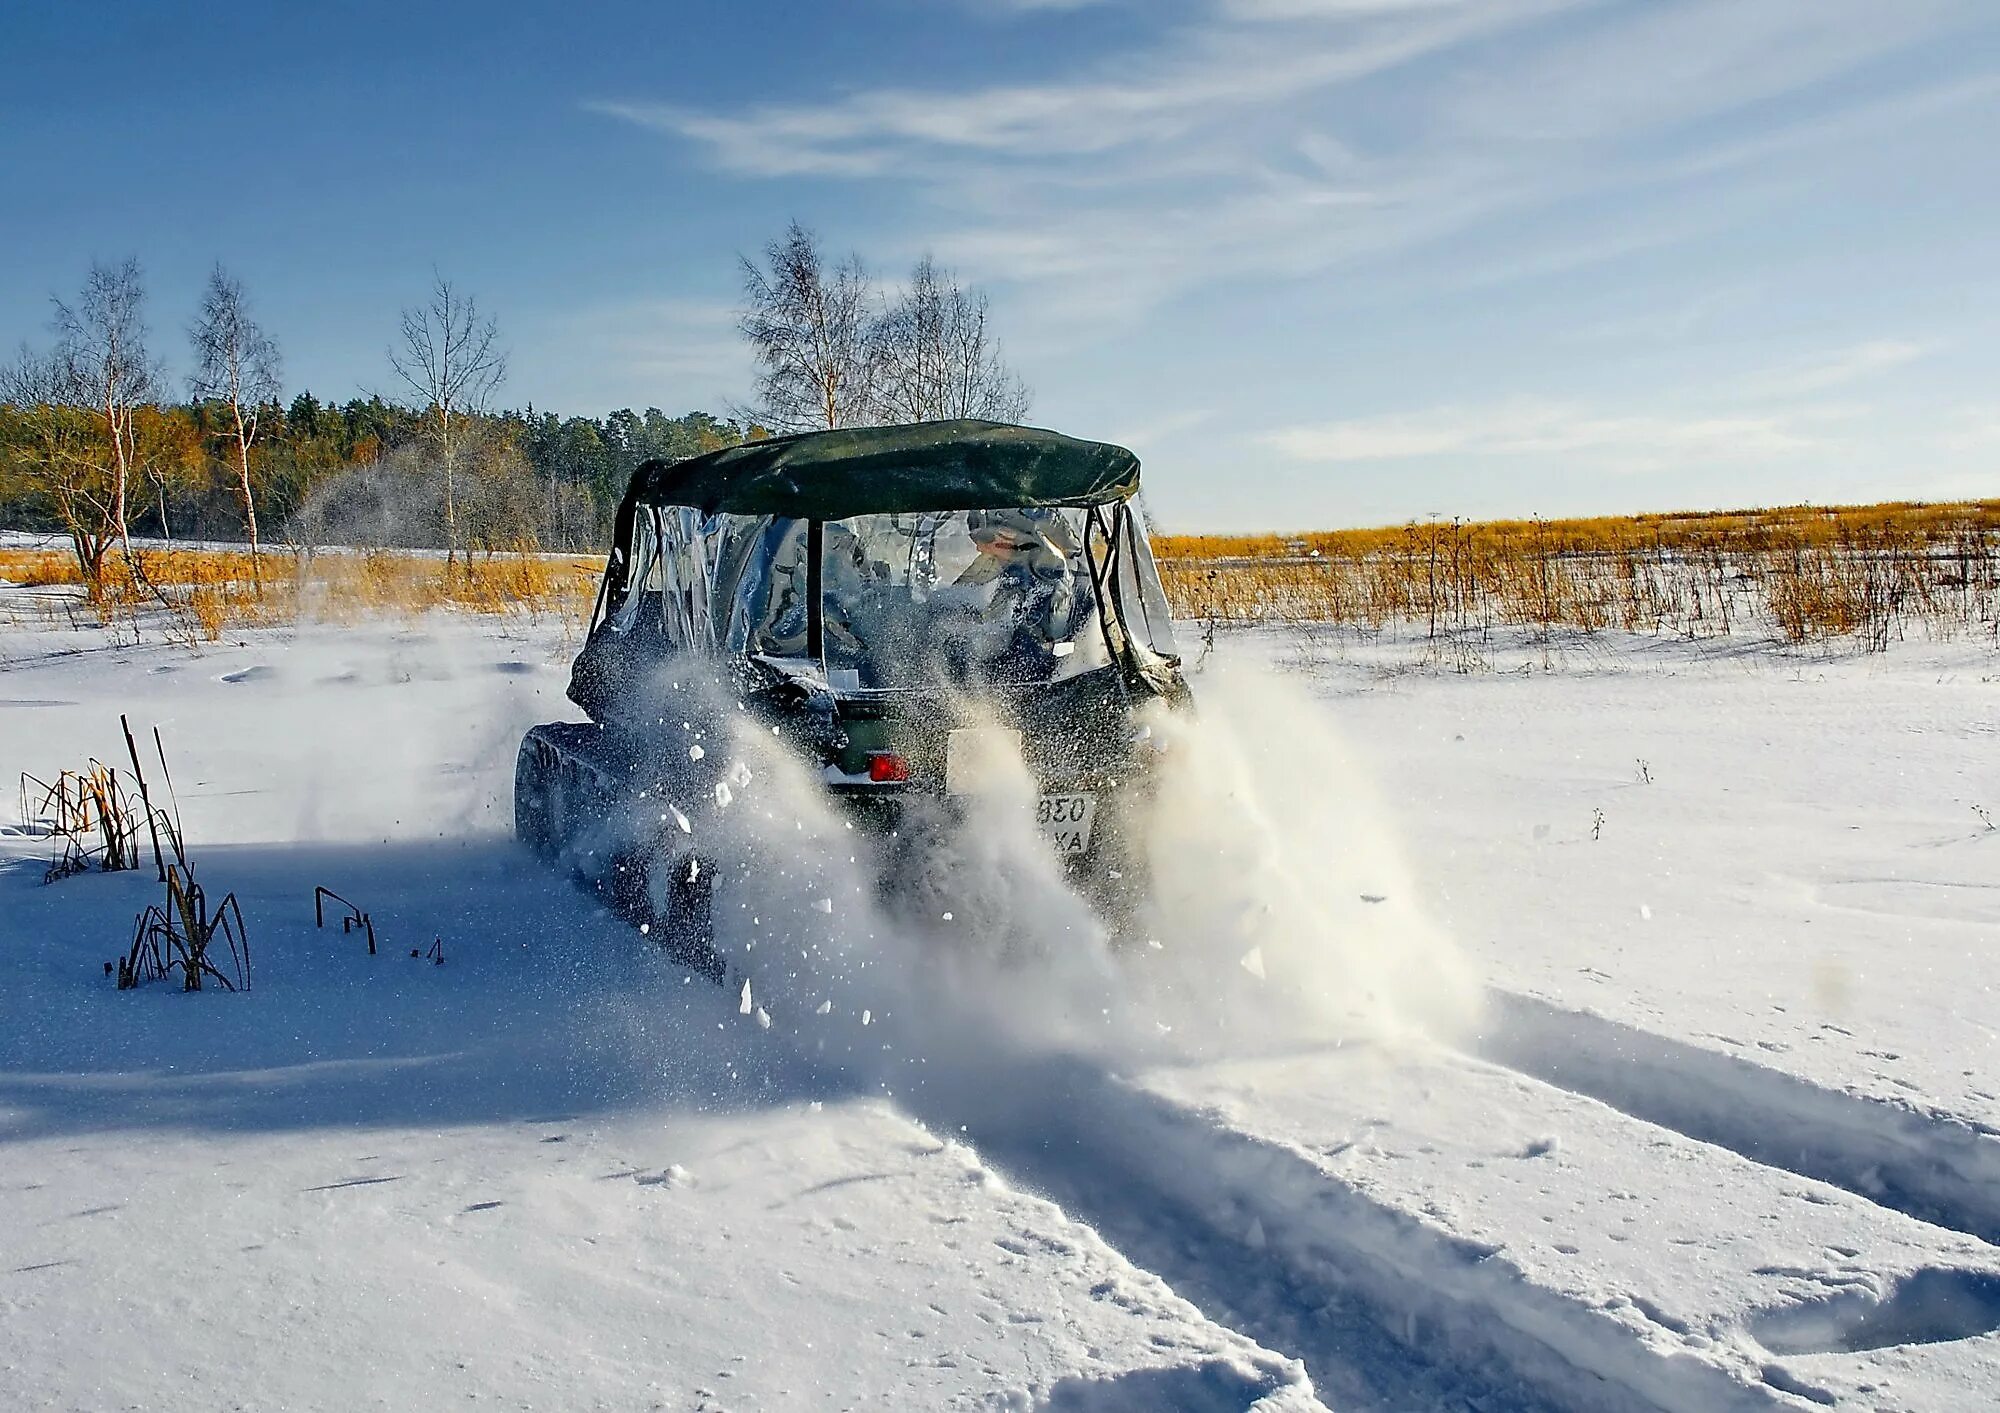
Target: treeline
(98, 444)
(575, 467)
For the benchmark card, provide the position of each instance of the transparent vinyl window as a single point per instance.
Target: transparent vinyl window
(643, 573)
(768, 612)
(1142, 602)
(959, 597)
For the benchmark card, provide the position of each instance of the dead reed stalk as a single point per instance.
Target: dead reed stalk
(1800, 574)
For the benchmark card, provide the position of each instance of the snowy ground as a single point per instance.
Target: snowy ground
(1570, 1083)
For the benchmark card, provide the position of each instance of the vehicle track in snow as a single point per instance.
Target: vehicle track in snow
(1935, 1167)
(1388, 1305)
(1387, 1310)
(1205, 1209)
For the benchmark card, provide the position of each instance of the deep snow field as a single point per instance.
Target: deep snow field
(1615, 1027)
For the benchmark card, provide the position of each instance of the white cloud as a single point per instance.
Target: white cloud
(659, 352)
(1226, 149)
(1327, 9)
(1669, 322)
(1846, 127)
(1189, 83)
(1626, 440)
(1129, 180)
(1835, 369)
(1164, 429)
(1656, 67)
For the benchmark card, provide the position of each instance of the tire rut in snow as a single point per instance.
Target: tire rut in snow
(1933, 1167)
(1386, 1312)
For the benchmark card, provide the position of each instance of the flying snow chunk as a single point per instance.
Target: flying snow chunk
(1645, 912)
(763, 1018)
(696, 753)
(866, 1016)
(723, 794)
(1252, 961)
(681, 820)
(825, 905)
(1254, 1238)
(825, 1007)
(674, 1175)
(743, 1006)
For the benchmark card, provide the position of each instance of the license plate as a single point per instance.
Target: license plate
(1065, 821)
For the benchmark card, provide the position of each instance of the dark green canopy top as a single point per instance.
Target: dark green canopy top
(962, 465)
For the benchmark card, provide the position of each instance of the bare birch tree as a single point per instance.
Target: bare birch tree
(103, 365)
(62, 455)
(934, 355)
(447, 357)
(808, 327)
(236, 364)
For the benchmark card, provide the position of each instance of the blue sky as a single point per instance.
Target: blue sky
(1322, 262)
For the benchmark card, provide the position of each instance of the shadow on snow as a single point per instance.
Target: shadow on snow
(545, 1003)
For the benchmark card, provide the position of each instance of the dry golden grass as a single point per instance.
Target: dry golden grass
(204, 592)
(1800, 572)
(38, 567)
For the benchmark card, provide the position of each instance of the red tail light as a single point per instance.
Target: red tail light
(887, 768)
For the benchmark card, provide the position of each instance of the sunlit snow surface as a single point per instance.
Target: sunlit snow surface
(1620, 1034)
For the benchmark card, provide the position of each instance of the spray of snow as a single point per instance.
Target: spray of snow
(1284, 909)
(1284, 913)
(975, 944)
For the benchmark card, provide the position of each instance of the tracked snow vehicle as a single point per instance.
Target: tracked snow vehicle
(892, 602)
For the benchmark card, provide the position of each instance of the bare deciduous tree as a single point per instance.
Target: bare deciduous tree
(934, 355)
(808, 327)
(447, 358)
(62, 456)
(236, 364)
(104, 366)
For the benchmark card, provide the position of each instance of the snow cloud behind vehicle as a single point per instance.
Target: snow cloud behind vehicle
(1284, 913)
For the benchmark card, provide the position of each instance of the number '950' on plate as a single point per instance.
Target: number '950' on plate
(1065, 821)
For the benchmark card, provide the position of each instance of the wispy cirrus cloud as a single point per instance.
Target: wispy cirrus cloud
(1834, 369)
(1230, 146)
(1113, 186)
(662, 350)
(1480, 186)
(1328, 9)
(1149, 101)
(1629, 440)
(1768, 414)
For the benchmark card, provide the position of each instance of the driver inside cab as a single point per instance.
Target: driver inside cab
(1022, 572)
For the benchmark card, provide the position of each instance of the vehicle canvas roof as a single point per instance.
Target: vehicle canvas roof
(954, 465)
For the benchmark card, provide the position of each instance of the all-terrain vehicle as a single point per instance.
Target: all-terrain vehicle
(889, 601)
